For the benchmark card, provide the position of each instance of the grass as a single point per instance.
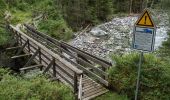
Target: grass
(111, 96)
(4, 36)
(20, 16)
(13, 87)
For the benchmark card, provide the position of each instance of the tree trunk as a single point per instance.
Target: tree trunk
(131, 6)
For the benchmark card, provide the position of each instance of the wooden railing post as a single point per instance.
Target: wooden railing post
(54, 69)
(28, 46)
(80, 88)
(75, 86)
(104, 69)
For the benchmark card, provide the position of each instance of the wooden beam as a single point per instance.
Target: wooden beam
(54, 79)
(32, 57)
(56, 56)
(86, 64)
(31, 67)
(13, 48)
(87, 55)
(54, 70)
(21, 49)
(19, 56)
(49, 66)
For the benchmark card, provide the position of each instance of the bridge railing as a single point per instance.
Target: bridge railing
(53, 64)
(84, 60)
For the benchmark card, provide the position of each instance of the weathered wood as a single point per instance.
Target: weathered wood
(21, 49)
(32, 57)
(98, 60)
(86, 55)
(75, 83)
(99, 71)
(91, 74)
(80, 88)
(30, 67)
(79, 56)
(49, 52)
(28, 46)
(75, 86)
(49, 66)
(13, 48)
(65, 79)
(19, 56)
(54, 79)
(64, 68)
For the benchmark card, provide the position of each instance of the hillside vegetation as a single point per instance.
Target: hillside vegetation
(14, 87)
(60, 19)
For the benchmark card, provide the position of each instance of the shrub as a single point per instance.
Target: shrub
(57, 29)
(39, 88)
(154, 81)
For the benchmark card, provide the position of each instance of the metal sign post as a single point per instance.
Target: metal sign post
(143, 40)
(138, 77)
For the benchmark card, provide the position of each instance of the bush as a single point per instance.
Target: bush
(38, 88)
(154, 81)
(57, 29)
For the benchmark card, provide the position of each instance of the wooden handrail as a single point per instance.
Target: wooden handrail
(103, 62)
(99, 74)
(46, 49)
(80, 90)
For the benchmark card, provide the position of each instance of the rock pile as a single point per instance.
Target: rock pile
(116, 36)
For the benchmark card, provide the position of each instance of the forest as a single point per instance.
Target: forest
(63, 20)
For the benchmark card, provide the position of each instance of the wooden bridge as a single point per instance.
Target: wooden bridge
(83, 72)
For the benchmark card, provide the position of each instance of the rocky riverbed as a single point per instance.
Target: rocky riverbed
(116, 36)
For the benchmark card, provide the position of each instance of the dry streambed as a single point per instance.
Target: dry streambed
(116, 36)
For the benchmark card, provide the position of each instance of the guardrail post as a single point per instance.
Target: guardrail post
(75, 86)
(54, 69)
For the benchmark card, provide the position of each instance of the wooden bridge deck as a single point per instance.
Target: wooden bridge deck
(63, 62)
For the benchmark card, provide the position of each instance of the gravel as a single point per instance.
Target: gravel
(116, 36)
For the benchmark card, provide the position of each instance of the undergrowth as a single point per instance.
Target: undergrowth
(13, 87)
(154, 81)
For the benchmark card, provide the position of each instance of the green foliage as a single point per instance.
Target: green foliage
(4, 36)
(38, 88)
(57, 29)
(111, 96)
(79, 13)
(154, 76)
(164, 51)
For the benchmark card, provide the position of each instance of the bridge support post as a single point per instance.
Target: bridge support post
(32, 57)
(49, 66)
(75, 86)
(21, 49)
(54, 69)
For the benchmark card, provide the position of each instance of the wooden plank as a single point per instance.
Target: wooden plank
(49, 65)
(13, 48)
(31, 67)
(86, 55)
(54, 79)
(75, 83)
(55, 41)
(21, 49)
(19, 56)
(50, 52)
(91, 74)
(99, 71)
(63, 77)
(66, 71)
(32, 57)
